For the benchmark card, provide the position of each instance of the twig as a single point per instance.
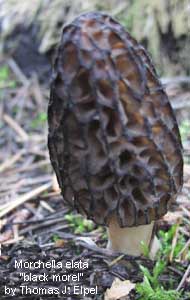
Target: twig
(36, 91)
(113, 262)
(184, 231)
(20, 200)
(183, 278)
(47, 245)
(34, 166)
(25, 183)
(176, 271)
(46, 220)
(16, 127)
(187, 245)
(15, 232)
(41, 153)
(180, 101)
(11, 161)
(47, 206)
(186, 211)
(19, 74)
(52, 194)
(178, 79)
(120, 276)
(13, 241)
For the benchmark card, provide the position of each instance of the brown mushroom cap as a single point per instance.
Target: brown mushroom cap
(113, 138)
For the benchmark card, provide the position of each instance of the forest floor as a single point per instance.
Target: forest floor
(36, 225)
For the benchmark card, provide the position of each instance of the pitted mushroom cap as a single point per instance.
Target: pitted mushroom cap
(113, 138)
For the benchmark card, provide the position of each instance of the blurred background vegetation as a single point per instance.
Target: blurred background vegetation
(30, 30)
(29, 34)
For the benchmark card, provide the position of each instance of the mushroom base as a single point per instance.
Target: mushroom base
(128, 240)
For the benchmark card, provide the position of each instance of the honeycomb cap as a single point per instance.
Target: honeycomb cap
(113, 138)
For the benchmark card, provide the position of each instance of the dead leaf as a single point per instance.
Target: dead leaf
(119, 289)
(172, 217)
(60, 243)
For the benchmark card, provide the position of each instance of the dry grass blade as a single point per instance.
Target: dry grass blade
(34, 166)
(113, 262)
(47, 206)
(19, 74)
(177, 79)
(184, 278)
(187, 245)
(13, 241)
(20, 200)
(11, 161)
(16, 127)
(181, 101)
(186, 212)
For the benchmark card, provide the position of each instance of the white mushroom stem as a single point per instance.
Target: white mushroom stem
(128, 240)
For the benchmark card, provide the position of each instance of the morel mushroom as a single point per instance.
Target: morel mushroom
(113, 138)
